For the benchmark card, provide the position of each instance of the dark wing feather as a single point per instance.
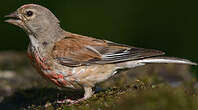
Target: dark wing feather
(79, 50)
(115, 53)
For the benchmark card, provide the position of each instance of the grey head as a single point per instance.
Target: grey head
(37, 21)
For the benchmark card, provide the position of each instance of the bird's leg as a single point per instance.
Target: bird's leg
(88, 93)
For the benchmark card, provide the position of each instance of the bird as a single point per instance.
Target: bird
(71, 60)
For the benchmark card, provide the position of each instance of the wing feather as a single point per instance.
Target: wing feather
(77, 50)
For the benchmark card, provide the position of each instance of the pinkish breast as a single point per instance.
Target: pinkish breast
(47, 72)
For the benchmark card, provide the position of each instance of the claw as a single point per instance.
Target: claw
(69, 101)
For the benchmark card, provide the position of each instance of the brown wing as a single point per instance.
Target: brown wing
(77, 50)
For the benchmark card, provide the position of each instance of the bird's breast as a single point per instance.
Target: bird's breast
(59, 75)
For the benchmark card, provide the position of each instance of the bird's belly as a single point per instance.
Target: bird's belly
(90, 75)
(58, 77)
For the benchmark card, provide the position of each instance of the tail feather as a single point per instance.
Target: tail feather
(141, 62)
(167, 60)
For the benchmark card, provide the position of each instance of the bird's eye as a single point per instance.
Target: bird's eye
(29, 13)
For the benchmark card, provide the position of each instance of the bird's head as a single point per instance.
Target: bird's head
(34, 19)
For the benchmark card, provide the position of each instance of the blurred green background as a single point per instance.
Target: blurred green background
(168, 25)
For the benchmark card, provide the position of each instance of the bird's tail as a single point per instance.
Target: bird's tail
(152, 60)
(167, 60)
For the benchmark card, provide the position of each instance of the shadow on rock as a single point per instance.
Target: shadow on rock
(37, 96)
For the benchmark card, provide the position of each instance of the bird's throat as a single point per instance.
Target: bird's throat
(34, 41)
(43, 47)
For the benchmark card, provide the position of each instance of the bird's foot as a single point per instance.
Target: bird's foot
(88, 93)
(69, 101)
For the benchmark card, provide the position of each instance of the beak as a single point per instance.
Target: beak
(14, 18)
(12, 15)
